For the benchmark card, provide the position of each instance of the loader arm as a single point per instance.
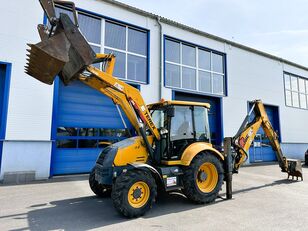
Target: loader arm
(247, 132)
(64, 52)
(121, 93)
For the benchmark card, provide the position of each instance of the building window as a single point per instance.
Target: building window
(194, 68)
(296, 91)
(129, 44)
(69, 137)
(130, 47)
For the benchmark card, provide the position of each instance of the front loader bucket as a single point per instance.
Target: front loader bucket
(65, 53)
(294, 169)
(47, 58)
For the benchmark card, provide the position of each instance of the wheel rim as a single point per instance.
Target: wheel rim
(207, 177)
(138, 194)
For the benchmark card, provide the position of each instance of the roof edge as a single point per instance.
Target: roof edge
(203, 33)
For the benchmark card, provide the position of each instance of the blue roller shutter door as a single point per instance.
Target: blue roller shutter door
(2, 82)
(264, 151)
(85, 117)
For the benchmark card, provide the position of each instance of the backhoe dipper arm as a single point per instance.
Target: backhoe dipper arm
(271, 135)
(247, 132)
(126, 96)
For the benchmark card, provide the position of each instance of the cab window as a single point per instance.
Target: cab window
(201, 123)
(159, 118)
(181, 124)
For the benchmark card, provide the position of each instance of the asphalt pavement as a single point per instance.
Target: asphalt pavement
(263, 200)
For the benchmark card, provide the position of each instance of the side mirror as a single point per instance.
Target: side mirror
(170, 111)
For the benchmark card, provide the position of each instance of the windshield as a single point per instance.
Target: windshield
(190, 123)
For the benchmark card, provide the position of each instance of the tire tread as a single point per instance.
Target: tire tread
(121, 187)
(191, 190)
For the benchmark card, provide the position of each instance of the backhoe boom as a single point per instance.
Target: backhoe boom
(247, 132)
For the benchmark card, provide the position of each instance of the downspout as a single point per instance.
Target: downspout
(161, 81)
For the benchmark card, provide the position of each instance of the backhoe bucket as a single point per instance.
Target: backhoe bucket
(295, 169)
(65, 53)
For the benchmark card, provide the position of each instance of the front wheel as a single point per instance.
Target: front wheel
(134, 193)
(99, 189)
(203, 178)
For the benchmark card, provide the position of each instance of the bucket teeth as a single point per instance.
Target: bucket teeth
(295, 169)
(31, 54)
(65, 53)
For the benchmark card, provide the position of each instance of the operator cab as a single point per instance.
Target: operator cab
(180, 124)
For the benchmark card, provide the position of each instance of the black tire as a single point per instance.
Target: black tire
(99, 189)
(191, 189)
(120, 192)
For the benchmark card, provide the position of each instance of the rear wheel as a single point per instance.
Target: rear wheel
(134, 193)
(99, 189)
(203, 178)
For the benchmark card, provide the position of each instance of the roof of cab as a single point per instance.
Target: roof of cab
(177, 102)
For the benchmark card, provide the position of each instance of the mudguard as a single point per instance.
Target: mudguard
(192, 150)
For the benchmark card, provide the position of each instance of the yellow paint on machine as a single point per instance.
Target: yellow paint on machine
(246, 139)
(134, 152)
(171, 162)
(142, 199)
(177, 102)
(191, 151)
(208, 184)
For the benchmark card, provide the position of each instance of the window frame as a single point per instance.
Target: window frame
(126, 51)
(96, 136)
(296, 91)
(196, 68)
(190, 128)
(102, 46)
(206, 123)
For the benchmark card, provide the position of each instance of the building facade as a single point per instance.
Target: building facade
(55, 130)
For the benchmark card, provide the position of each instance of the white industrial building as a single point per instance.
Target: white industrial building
(53, 130)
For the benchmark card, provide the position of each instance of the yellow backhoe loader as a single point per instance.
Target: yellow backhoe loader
(172, 148)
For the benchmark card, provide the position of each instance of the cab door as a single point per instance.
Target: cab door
(181, 131)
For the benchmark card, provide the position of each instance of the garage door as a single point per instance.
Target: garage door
(214, 113)
(2, 78)
(261, 149)
(5, 70)
(86, 119)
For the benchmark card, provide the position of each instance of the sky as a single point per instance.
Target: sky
(278, 27)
